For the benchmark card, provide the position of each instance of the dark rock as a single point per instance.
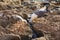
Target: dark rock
(52, 29)
(10, 37)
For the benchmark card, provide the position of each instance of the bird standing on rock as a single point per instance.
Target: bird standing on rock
(39, 13)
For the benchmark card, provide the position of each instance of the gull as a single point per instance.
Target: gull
(38, 13)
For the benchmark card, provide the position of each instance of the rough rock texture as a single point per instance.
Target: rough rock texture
(49, 28)
(9, 37)
(21, 28)
(42, 38)
(46, 28)
(14, 26)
